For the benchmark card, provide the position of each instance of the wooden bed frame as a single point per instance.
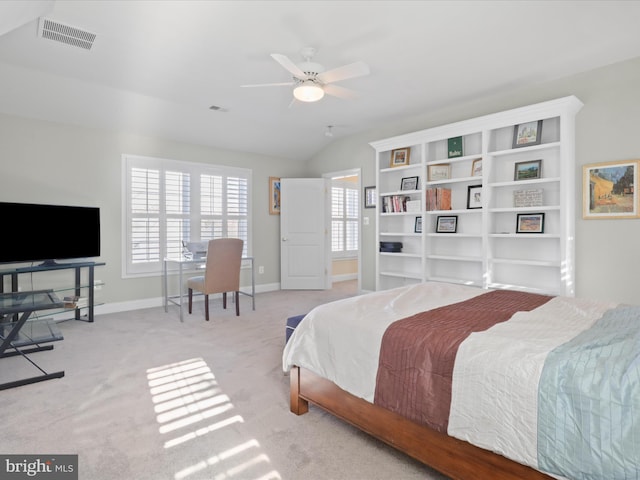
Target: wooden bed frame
(454, 458)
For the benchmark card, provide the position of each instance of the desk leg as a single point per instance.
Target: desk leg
(165, 286)
(180, 288)
(253, 284)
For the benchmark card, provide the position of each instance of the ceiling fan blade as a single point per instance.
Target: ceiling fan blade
(340, 92)
(288, 84)
(289, 65)
(352, 70)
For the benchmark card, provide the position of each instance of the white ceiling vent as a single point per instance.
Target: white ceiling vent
(65, 34)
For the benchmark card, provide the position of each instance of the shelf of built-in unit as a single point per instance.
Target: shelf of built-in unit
(541, 208)
(412, 166)
(533, 148)
(460, 211)
(521, 288)
(455, 258)
(524, 235)
(400, 234)
(389, 273)
(525, 182)
(399, 192)
(466, 158)
(399, 214)
(454, 180)
(455, 280)
(523, 262)
(400, 255)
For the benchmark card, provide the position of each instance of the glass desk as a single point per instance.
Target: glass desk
(16, 332)
(194, 264)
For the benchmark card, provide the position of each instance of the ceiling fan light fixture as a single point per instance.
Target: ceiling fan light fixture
(308, 91)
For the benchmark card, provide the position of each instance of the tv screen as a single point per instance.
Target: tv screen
(36, 232)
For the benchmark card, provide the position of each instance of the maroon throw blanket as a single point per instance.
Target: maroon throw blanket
(417, 354)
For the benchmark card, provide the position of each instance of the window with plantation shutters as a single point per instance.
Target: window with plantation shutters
(169, 202)
(344, 218)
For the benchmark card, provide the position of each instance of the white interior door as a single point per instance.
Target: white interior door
(304, 236)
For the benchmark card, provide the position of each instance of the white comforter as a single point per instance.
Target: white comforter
(496, 373)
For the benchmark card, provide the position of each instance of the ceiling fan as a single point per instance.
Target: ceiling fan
(311, 81)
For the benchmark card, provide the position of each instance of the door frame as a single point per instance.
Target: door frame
(344, 173)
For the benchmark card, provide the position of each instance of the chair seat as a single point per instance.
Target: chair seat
(196, 283)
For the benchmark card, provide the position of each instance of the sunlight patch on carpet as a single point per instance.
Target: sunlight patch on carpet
(186, 398)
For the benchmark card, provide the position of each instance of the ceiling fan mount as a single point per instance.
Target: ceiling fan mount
(311, 81)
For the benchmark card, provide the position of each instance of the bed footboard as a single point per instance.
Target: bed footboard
(454, 458)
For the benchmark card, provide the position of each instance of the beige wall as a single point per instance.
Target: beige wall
(606, 129)
(54, 163)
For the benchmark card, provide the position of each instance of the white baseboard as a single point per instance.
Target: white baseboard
(159, 301)
(344, 277)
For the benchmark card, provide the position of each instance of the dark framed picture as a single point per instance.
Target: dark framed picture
(474, 196)
(528, 170)
(418, 225)
(530, 223)
(454, 147)
(400, 157)
(409, 183)
(370, 197)
(527, 134)
(447, 224)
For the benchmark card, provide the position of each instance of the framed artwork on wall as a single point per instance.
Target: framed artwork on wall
(610, 190)
(370, 197)
(274, 195)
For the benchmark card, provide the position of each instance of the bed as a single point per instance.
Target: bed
(479, 384)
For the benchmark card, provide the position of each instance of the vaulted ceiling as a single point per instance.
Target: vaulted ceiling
(156, 67)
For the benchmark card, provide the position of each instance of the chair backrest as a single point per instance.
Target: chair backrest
(224, 258)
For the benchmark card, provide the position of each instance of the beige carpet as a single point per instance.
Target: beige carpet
(146, 397)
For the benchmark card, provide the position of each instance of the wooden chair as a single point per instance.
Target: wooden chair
(222, 273)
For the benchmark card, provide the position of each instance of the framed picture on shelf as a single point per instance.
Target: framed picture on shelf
(528, 170)
(527, 134)
(409, 183)
(610, 190)
(274, 195)
(418, 225)
(454, 147)
(447, 224)
(530, 223)
(400, 157)
(474, 196)
(441, 171)
(370, 196)
(476, 168)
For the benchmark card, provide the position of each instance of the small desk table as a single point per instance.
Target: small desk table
(15, 310)
(190, 263)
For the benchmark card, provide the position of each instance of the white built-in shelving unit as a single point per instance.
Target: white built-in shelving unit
(486, 250)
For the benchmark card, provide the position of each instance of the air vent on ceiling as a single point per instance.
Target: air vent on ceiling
(65, 34)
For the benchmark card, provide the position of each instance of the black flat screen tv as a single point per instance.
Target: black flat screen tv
(46, 233)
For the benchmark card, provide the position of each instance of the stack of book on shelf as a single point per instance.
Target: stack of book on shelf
(438, 198)
(394, 203)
